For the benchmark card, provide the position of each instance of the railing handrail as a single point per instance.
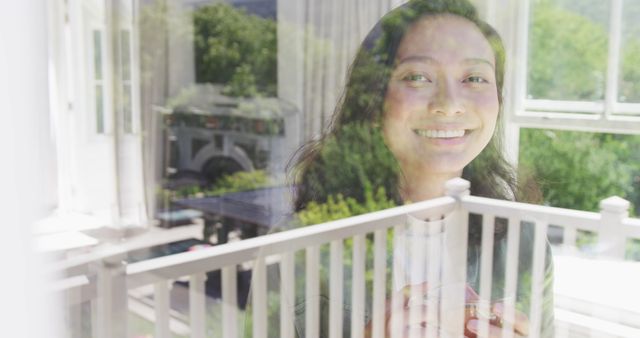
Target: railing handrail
(142, 241)
(183, 264)
(585, 220)
(632, 226)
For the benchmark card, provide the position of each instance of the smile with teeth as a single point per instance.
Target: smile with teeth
(440, 133)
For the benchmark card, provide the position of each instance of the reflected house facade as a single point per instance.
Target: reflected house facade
(211, 135)
(118, 64)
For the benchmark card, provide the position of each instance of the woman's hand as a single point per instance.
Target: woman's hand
(409, 317)
(520, 324)
(407, 313)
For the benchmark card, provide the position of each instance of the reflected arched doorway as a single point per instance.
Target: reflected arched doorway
(218, 167)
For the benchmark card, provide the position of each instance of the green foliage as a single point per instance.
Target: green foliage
(630, 82)
(235, 48)
(340, 207)
(352, 162)
(239, 181)
(633, 250)
(576, 170)
(567, 55)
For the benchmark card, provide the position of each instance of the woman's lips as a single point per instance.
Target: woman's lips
(449, 137)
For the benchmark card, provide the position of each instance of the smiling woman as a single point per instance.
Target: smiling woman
(423, 105)
(426, 73)
(441, 104)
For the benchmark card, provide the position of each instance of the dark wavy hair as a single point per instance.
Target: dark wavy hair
(351, 157)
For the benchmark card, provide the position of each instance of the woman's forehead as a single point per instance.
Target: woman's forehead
(445, 38)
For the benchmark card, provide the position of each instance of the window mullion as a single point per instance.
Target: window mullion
(615, 36)
(521, 55)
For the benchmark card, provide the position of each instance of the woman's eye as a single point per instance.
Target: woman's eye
(416, 79)
(475, 79)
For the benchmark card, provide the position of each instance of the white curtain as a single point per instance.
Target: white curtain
(317, 41)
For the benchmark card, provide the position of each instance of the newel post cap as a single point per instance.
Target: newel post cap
(457, 187)
(615, 204)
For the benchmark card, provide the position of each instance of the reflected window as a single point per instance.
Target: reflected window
(98, 79)
(125, 66)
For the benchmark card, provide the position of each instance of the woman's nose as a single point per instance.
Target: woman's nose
(446, 100)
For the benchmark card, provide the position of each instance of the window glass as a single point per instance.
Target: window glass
(99, 106)
(568, 42)
(125, 54)
(126, 108)
(97, 54)
(629, 85)
(98, 80)
(230, 94)
(125, 66)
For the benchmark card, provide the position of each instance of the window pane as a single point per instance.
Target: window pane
(125, 56)
(568, 43)
(99, 109)
(126, 108)
(97, 54)
(629, 90)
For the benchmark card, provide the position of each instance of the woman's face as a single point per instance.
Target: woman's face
(441, 105)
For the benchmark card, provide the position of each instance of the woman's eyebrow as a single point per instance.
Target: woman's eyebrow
(417, 58)
(430, 60)
(475, 61)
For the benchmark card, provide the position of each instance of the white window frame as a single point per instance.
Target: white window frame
(608, 116)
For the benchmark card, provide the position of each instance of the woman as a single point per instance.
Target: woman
(422, 105)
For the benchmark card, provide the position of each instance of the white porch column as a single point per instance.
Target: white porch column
(26, 171)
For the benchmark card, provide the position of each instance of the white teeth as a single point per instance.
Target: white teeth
(440, 133)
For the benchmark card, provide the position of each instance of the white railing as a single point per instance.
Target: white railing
(114, 278)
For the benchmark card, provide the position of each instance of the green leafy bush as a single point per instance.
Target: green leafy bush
(235, 48)
(338, 207)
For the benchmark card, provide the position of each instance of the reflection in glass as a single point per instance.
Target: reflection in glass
(97, 54)
(125, 54)
(126, 108)
(99, 109)
(568, 46)
(629, 81)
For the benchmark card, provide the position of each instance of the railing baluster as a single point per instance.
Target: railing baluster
(336, 290)
(538, 278)
(74, 312)
(434, 278)
(229, 302)
(259, 297)
(312, 311)
(287, 295)
(454, 269)
(162, 303)
(358, 287)
(197, 304)
(416, 254)
(569, 237)
(511, 278)
(379, 282)
(396, 323)
(110, 306)
(486, 272)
